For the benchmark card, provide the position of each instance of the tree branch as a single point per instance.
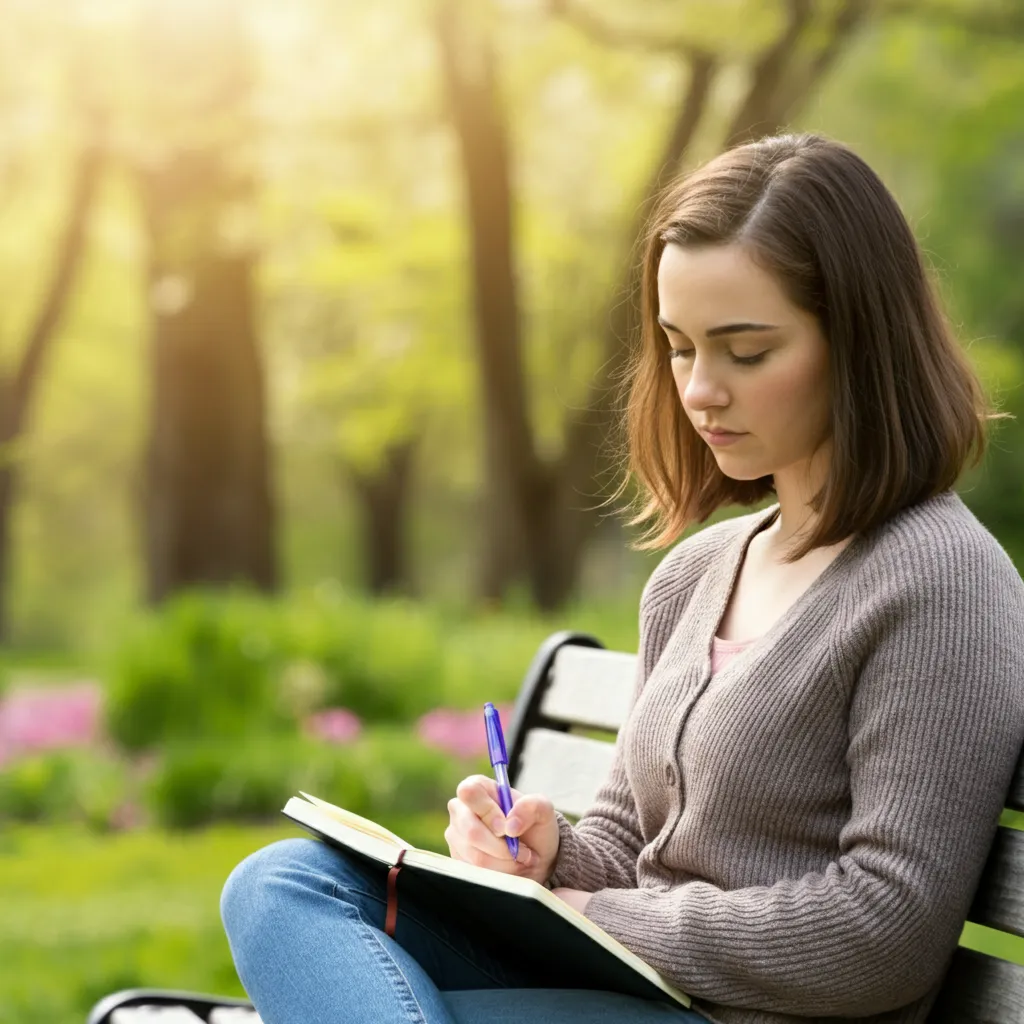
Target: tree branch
(68, 260)
(1004, 22)
(591, 25)
(754, 117)
(684, 125)
(794, 93)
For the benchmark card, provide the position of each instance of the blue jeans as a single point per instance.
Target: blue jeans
(305, 923)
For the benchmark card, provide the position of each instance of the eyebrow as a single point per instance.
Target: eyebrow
(714, 332)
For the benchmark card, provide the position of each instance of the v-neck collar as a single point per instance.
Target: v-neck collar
(721, 580)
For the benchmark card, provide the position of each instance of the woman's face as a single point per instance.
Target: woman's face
(745, 359)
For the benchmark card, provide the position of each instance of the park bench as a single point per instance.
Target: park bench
(575, 689)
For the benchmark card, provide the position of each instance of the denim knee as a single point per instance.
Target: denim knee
(252, 887)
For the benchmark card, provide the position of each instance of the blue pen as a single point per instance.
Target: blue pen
(499, 762)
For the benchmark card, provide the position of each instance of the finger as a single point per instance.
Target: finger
(475, 833)
(526, 857)
(526, 812)
(451, 839)
(480, 795)
(462, 849)
(475, 783)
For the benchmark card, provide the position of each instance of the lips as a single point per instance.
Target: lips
(721, 439)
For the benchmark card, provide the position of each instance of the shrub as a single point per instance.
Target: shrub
(202, 666)
(387, 771)
(486, 659)
(381, 659)
(37, 789)
(71, 785)
(222, 666)
(203, 782)
(405, 775)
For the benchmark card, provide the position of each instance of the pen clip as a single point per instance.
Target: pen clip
(495, 739)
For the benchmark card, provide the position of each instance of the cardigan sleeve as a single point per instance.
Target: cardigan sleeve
(936, 722)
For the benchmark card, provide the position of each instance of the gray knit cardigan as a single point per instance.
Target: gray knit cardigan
(798, 837)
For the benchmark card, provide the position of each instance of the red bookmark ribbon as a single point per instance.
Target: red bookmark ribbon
(391, 917)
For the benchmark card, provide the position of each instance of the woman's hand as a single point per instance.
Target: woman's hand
(576, 898)
(477, 829)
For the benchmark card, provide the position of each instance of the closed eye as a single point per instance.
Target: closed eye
(679, 353)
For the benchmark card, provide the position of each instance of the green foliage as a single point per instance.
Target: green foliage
(486, 657)
(226, 666)
(202, 782)
(994, 491)
(386, 771)
(382, 659)
(404, 776)
(74, 785)
(200, 666)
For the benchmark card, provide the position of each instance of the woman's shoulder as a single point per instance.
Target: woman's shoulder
(940, 534)
(935, 547)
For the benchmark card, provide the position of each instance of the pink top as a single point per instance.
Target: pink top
(723, 651)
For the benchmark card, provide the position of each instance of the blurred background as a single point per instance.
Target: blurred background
(311, 317)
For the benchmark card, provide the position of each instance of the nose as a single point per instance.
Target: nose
(702, 388)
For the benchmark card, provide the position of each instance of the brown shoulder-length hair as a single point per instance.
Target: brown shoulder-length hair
(908, 411)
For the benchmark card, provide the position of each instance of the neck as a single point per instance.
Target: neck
(795, 486)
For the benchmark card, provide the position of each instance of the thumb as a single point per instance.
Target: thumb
(525, 812)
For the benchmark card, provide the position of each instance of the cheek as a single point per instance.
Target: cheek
(798, 398)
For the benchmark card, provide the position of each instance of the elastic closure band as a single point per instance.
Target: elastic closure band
(391, 917)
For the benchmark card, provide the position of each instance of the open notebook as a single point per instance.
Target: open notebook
(559, 946)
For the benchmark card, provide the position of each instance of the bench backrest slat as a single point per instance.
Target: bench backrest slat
(999, 901)
(567, 769)
(980, 989)
(590, 688)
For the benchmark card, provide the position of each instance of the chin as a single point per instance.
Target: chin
(739, 473)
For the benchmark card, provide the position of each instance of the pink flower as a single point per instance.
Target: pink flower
(48, 718)
(336, 725)
(459, 732)
(127, 815)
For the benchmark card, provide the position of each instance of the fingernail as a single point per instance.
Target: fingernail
(512, 826)
(499, 827)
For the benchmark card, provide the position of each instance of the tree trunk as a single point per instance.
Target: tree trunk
(208, 510)
(17, 391)
(384, 506)
(8, 480)
(535, 524)
(209, 516)
(511, 465)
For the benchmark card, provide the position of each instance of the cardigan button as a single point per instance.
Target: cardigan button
(670, 774)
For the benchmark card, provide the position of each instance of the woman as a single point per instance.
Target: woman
(830, 694)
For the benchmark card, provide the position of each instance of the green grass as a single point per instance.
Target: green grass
(84, 915)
